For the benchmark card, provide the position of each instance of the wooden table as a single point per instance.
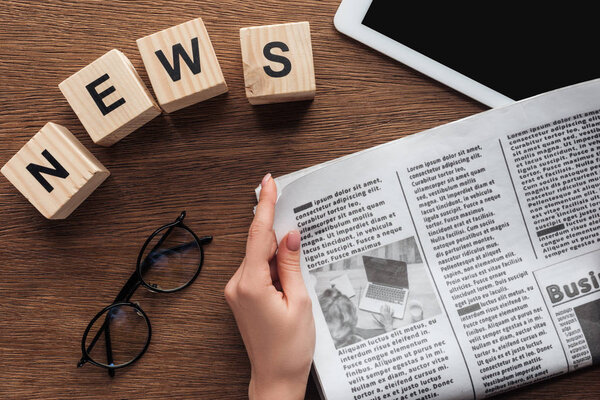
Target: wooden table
(205, 159)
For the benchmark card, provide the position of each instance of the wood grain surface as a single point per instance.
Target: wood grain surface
(205, 159)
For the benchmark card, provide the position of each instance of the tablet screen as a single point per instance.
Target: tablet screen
(517, 52)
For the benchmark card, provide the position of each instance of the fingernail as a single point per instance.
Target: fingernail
(266, 179)
(293, 241)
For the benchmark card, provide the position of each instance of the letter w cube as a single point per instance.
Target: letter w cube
(182, 65)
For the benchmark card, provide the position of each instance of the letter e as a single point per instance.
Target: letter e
(91, 88)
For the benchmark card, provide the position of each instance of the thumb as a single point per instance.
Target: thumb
(288, 266)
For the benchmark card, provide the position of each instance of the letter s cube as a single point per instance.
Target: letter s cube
(54, 171)
(278, 63)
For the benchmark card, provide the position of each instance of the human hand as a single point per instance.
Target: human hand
(277, 326)
(386, 321)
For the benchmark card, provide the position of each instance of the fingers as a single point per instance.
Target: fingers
(288, 268)
(261, 244)
(386, 311)
(274, 273)
(390, 312)
(265, 209)
(377, 320)
(261, 236)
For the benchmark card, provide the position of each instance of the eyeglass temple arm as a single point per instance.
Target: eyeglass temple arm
(124, 295)
(93, 342)
(145, 264)
(102, 329)
(109, 354)
(206, 239)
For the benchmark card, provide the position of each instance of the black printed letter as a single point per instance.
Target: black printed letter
(99, 96)
(178, 51)
(38, 170)
(287, 65)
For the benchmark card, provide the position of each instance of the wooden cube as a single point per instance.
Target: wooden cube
(182, 65)
(54, 171)
(278, 63)
(109, 98)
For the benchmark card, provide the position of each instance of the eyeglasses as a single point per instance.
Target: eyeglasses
(170, 260)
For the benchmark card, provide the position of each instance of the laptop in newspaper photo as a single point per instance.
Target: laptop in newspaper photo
(388, 285)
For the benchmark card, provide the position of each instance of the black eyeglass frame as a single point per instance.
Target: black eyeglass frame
(123, 298)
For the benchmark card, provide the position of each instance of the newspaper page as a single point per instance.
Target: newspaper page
(460, 262)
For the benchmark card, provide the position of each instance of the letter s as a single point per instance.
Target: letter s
(287, 65)
(584, 285)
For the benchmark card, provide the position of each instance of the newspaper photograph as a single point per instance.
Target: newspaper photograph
(460, 262)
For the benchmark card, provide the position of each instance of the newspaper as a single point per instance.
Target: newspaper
(460, 262)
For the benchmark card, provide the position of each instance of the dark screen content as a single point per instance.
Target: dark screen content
(517, 52)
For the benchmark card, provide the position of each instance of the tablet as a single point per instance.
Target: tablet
(496, 56)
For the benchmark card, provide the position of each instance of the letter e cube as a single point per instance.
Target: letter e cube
(110, 98)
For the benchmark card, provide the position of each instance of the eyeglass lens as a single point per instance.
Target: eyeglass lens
(121, 334)
(171, 259)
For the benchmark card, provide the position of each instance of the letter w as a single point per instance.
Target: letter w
(178, 51)
(38, 170)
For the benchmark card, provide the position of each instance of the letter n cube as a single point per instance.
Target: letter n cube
(54, 171)
(109, 98)
(278, 63)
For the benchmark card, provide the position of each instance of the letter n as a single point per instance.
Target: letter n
(37, 171)
(174, 71)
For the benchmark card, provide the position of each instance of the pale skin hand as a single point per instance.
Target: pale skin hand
(277, 326)
(386, 321)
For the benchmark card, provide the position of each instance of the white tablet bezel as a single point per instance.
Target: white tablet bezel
(348, 20)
